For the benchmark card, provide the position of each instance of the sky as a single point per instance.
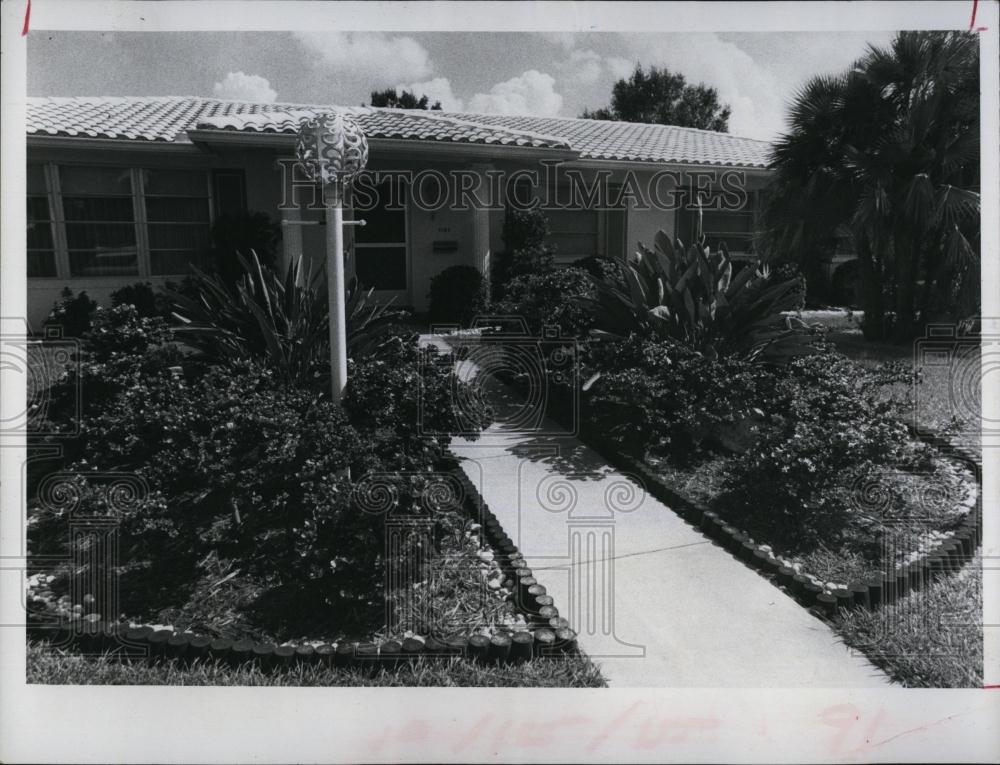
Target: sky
(544, 74)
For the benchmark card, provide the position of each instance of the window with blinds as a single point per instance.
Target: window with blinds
(178, 220)
(100, 221)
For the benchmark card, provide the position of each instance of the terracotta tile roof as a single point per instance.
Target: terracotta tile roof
(635, 142)
(168, 118)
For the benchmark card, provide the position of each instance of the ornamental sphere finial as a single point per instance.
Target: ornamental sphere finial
(332, 148)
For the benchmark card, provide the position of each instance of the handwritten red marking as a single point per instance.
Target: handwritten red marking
(610, 728)
(654, 732)
(990, 687)
(475, 730)
(972, 20)
(27, 19)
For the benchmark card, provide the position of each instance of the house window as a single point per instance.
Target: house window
(100, 221)
(97, 221)
(178, 220)
(41, 247)
(574, 233)
(380, 245)
(735, 228)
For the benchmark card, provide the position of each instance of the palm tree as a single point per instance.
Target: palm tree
(890, 150)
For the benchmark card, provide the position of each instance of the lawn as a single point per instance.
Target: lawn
(55, 666)
(931, 639)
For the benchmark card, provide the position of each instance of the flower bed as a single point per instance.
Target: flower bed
(517, 620)
(224, 480)
(832, 521)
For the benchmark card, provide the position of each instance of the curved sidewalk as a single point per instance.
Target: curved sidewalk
(655, 602)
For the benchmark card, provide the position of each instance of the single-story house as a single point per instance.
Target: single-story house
(124, 190)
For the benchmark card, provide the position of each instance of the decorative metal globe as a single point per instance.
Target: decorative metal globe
(332, 148)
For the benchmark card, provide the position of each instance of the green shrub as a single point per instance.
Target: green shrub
(118, 350)
(241, 464)
(72, 314)
(827, 428)
(147, 301)
(280, 321)
(547, 300)
(524, 251)
(665, 398)
(457, 296)
(692, 296)
(236, 236)
(409, 400)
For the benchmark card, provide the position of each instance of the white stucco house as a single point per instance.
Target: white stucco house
(124, 190)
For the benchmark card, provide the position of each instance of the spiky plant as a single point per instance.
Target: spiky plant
(690, 295)
(280, 320)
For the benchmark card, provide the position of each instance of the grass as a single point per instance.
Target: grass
(54, 666)
(930, 639)
(948, 396)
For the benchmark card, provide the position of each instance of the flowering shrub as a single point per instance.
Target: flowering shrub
(666, 398)
(524, 252)
(457, 295)
(827, 428)
(547, 299)
(72, 314)
(408, 399)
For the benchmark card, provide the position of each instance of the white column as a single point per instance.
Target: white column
(335, 286)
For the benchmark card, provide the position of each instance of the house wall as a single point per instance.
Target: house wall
(477, 235)
(263, 191)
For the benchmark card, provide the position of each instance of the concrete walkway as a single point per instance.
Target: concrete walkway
(655, 603)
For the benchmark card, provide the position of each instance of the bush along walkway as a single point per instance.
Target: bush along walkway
(654, 600)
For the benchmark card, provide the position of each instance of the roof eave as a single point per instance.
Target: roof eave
(405, 146)
(627, 164)
(35, 140)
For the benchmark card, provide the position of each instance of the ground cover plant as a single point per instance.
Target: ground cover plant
(259, 510)
(807, 452)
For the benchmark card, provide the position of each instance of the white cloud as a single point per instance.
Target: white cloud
(583, 66)
(237, 86)
(532, 92)
(756, 97)
(372, 54)
(620, 68)
(565, 40)
(438, 89)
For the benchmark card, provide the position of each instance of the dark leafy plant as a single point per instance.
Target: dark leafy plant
(244, 232)
(281, 321)
(72, 314)
(524, 251)
(147, 301)
(827, 429)
(410, 401)
(664, 398)
(548, 299)
(690, 295)
(457, 296)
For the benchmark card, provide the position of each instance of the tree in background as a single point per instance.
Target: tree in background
(662, 97)
(392, 99)
(888, 151)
